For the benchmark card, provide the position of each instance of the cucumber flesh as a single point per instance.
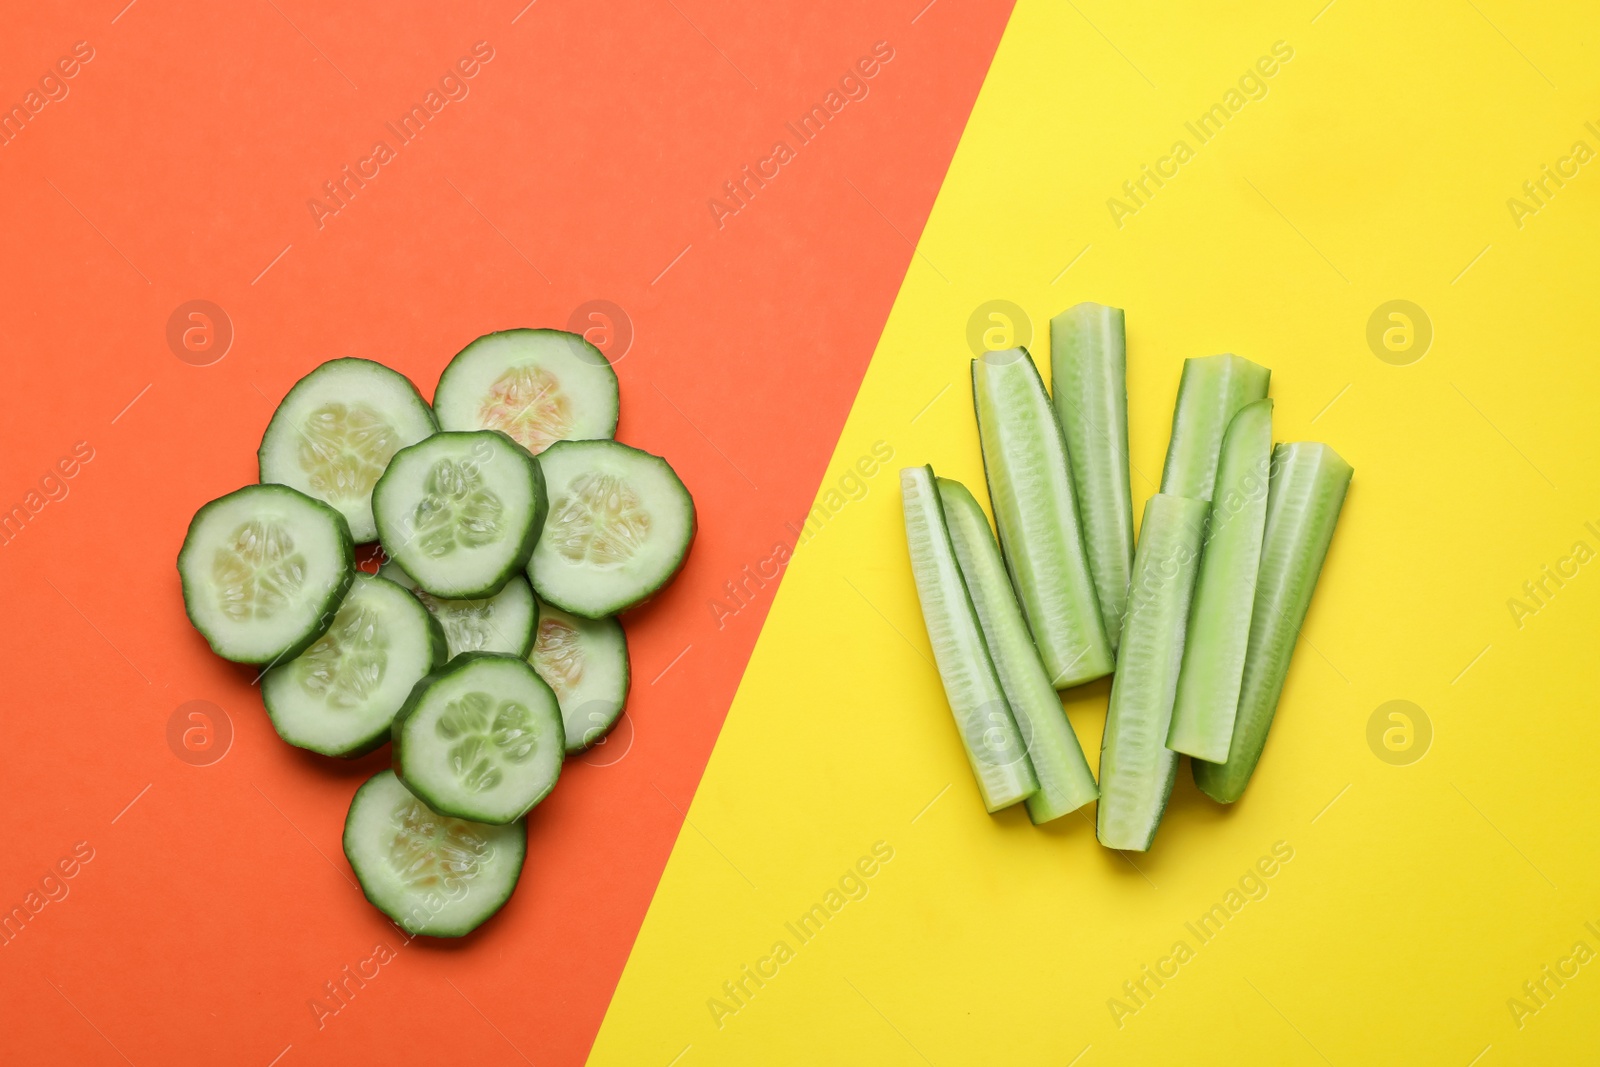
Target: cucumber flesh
(1136, 767)
(1219, 618)
(993, 743)
(585, 661)
(539, 386)
(480, 739)
(1030, 487)
(620, 527)
(1065, 781)
(340, 696)
(263, 570)
(460, 512)
(431, 874)
(1307, 491)
(501, 623)
(1089, 387)
(337, 429)
(1210, 394)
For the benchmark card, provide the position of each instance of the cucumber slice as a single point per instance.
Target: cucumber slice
(1089, 386)
(339, 697)
(1030, 486)
(501, 623)
(1219, 617)
(431, 874)
(620, 527)
(480, 739)
(995, 747)
(586, 662)
(337, 429)
(1303, 503)
(1136, 767)
(1210, 394)
(460, 512)
(263, 570)
(1065, 781)
(539, 386)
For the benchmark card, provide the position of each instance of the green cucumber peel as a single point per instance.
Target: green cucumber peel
(1137, 769)
(1089, 388)
(1224, 592)
(1030, 488)
(1065, 781)
(1305, 497)
(989, 733)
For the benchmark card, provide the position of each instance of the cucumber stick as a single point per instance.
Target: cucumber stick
(1211, 392)
(1137, 769)
(1089, 386)
(1219, 618)
(1065, 781)
(1030, 487)
(988, 732)
(1307, 491)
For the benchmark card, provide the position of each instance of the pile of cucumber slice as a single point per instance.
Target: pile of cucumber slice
(511, 529)
(1195, 624)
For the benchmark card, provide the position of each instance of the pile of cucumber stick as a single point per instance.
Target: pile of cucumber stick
(513, 530)
(1196, 625)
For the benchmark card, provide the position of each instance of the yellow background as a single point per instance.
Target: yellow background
(1376, 168)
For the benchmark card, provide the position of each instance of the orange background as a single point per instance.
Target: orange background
(578, 167)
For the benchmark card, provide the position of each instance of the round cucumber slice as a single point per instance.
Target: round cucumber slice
(539, 386)
(336, 431)
(620, 527)
(431, 874)
(500, 623)
(340, 696)
(586, 662)
(263, 569)
(460, 512)
(480, 739)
